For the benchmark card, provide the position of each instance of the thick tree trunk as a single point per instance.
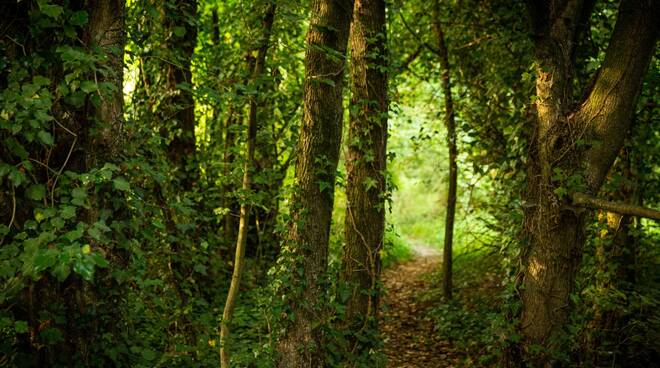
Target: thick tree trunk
(182, 148)
(365, 168)
(300, 345)
(554, 229)
(450, 123)
(246, 186)
(106, 29)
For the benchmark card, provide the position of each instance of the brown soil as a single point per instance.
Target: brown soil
(409, 336)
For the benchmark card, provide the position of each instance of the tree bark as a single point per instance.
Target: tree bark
(182, 148)
(450, 123)
(106, 29)
(365, 168)
(554, 231)
(241, 240)
(300, 344)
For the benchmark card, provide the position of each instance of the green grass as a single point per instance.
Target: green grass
(396, 250)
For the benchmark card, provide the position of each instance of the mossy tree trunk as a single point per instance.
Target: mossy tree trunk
(301, 344)
(572, 142)
(365, 168)
(181, 35)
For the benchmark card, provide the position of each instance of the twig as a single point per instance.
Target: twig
(73, 144)
(13, 212)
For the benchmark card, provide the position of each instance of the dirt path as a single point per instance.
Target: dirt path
(409, 338)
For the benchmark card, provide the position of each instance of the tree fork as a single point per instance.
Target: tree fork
(554, 231)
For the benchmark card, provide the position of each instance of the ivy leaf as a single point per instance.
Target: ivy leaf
(36, 192)
(79, 195)
(84, 268)
(21, 326)
(148, 355)
(99, 260)
(68, 212)
(200, 268)
(53, 11)
(61, 271)
(121, 184)
(88, 86)
(45, 137)
(179, 31)
(79, 18)
(44, 259)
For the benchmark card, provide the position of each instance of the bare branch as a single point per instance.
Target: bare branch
(588, 201)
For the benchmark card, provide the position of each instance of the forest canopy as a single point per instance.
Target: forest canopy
(329, 183)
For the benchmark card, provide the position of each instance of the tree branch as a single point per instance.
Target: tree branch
(607, 110)
(588, 201)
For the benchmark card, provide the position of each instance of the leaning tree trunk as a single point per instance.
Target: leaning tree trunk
(241, 240)
(365, 168)
(300, 344)
(450, 123)
(553, 227)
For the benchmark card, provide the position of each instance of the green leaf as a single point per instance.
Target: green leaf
(148, 355)
(88, 86)
(79, 18)
(53, 11)
(36, 192)
(68, 212)
(44, 259)
(21, 326)
(121, 184)
(61, 271)
(94, 233)
(328, 82)
(99, 260)
(45, 137)
(200, 268)
(79, 195)
(40, 80)
(84, 268)
(179, 31)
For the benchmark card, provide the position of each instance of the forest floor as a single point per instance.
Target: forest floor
(408, 333)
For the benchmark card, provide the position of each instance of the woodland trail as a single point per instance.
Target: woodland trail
(409, 337)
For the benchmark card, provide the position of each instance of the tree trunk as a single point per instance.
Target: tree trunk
(553, 228)
(183, 38)
(365, 168)
(450, 123)
(311, 207)
(615, 276)
(246, 186)
(106, 29)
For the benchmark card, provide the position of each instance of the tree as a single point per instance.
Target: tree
(181, 24)
(71, 61)
(572, 149)
(450, 123)
(365, 169)
(241, 240)
(311, 206)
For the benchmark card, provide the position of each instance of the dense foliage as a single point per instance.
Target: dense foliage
(125, 128)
